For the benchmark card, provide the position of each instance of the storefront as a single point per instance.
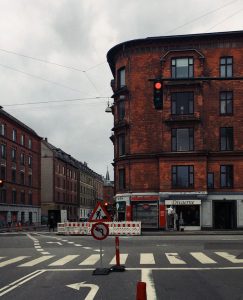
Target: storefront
(184, 214)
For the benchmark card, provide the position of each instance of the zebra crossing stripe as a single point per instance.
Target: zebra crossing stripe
(123, 258)
(230, 257)
(12, 261)
(36, 261)
(203, 258)
(91, 260)
(64, 260)
(175, 259)
(147, 259)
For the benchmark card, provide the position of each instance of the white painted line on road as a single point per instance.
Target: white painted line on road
(147, 277)
(44, 253)
(202, 258)
(230, 257)
(70, 242)
(40, 250)
(12, 261)
(78, 245)
(64, 260)
(37, 247)
(123, 258)
(87, 248)
(2, 257)
(20, 282)
(36, 261)
(175, 259)
(91, 260)
(147, 259)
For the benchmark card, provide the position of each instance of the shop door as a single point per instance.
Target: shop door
(147, 213)
(224, 214)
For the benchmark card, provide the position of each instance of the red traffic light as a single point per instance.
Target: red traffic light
(158, 85)
(1, 183)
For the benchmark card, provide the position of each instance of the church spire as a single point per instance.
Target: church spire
(107, 177)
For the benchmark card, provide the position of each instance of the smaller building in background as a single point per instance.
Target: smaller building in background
(109, 202)
(20, 172)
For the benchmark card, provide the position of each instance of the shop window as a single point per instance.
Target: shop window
(226, 176)
(226, 103)
(182, 103)
(122, 179)
(210, 181)
(182, 67)
(121, 74)
(182, 176)
(226, 66)
(121, 144)
(182, 139)
(226, 139)
(121, 108)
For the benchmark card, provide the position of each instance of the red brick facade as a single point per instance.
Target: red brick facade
(147, 141)
(20, 170)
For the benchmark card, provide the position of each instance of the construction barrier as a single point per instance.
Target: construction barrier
(84, 228)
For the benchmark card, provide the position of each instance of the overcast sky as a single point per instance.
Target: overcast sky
(53, 50)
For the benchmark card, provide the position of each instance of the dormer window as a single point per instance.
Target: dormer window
(182, 67)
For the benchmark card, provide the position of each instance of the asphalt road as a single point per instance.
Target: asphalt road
(46, 266)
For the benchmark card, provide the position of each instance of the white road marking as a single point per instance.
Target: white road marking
(91, 260)
(12, 261)
(147, 277)
(78, 245)
(44, 253)
(123, 258)
(70, 242)
(175, 259)
(37, 247)
(230, 257)
(147, 259)
(64, 260)
(40, 250)
(20, 282)
(93, 289)
(202, 258)
(87, 248)
(36, 261)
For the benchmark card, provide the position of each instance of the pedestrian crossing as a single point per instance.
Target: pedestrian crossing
(143, 259)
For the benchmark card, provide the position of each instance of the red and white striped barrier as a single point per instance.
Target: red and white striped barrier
(84, 228)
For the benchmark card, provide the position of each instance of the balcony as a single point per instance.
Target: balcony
(120, 124)
(195, 118)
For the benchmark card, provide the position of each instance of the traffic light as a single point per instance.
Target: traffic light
(1, 183)
(158, 95)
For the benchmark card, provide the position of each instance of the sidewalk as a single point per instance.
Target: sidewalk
(189, 232)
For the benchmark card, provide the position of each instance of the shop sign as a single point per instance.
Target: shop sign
(182, 202)
(145, 198)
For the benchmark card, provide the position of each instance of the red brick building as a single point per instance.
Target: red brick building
(179, 161)
(20, 171)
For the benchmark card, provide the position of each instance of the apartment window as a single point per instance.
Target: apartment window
(14, 196)
(30, 161)
(182, 67)
(30, 198)
(210, 181)
(121, 78)
(22, 159)
(122, 179)
(226, 103)
(226, 139)
(22, 178)
(3, 151)
(13, 154)
(121, 108)
(226, 176)
(182, 103)
(14, 135)
(121, 144)
(30, 179)
(14, 177)
(3, 172)
(30, 143)
(182, 139)
(2, 129)
(182, 176)
(226, 66)
(3, 197)
(22, 139)
(22, 197)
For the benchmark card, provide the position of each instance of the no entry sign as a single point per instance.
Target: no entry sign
(100, 231)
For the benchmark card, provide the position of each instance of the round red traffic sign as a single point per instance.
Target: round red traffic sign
(100, 231)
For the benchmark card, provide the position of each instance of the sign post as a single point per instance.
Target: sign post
(100, 231)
